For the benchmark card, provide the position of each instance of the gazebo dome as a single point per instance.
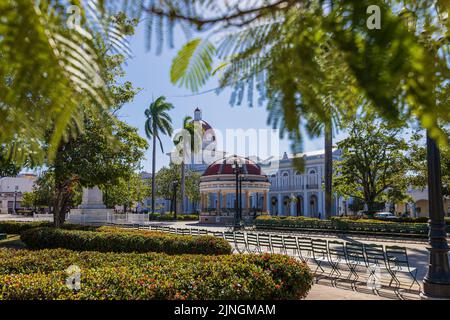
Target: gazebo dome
(224, 166)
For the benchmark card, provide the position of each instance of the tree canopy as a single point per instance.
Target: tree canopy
(52, 69)
(167, 175)
(373, 164)
(293, 52)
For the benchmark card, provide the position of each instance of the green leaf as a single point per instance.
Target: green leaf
(192, 66)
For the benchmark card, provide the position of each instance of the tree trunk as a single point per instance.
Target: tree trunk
(60, 206)
(328, 169)
(182, 191)
(153, 170)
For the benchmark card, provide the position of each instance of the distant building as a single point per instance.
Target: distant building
(419, 207)
(12, 190)
(294, 193)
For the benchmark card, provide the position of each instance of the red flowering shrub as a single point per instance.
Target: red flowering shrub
(107, 239)
(41, 274)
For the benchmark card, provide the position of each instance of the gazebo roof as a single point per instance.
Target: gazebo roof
(224, 166)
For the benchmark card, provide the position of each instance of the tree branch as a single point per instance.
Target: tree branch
(229, 19)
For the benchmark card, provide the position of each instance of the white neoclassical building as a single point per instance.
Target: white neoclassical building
(294, 193)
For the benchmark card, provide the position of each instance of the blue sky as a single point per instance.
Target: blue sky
(151, 73)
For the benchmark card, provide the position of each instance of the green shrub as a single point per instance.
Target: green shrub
(108, 239)
(28, 274)
(16, 227)
(343, 224)
(170, 217)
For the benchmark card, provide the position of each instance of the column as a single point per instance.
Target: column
(219, 202)
(292, 211)
(320, 199)
(280, 204)
(306, 204)
(247, 201)
(265, 201)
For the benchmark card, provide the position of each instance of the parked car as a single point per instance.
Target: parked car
(385, 216)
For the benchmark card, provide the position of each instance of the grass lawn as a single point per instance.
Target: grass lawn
(12, 241)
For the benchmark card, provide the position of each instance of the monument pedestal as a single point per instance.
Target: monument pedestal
(91, 209)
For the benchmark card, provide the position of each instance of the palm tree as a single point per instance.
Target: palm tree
(190, 129)
(157, 122)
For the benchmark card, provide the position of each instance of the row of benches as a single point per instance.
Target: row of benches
(338, 255)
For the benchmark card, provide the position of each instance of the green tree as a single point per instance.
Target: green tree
(418, 156)
(282, 47)
(157, 123)
(373, 163)
(126, 192)
(193, 188)
(187, 144)
(43, 194)
(7, 167)
(278, 46)
(103, 154)
(51, 69)
(167, 175)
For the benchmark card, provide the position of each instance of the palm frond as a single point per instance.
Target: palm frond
(47, 72)
(192, 66)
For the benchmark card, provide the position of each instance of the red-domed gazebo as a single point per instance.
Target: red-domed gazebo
(218, 190)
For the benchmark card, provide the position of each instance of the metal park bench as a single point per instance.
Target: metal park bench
(276, 243)
(397, 262)
(264, 242)
(252, 243)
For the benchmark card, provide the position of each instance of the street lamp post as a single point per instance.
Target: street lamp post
(436, 283)
(240, 197)
(15, 199)
(237, 170)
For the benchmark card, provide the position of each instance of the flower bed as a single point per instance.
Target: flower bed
(343, 225)
(41, 274)
(108, 239)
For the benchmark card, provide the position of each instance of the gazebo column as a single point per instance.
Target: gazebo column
(265, 201)
(218, 202)
(247, 201)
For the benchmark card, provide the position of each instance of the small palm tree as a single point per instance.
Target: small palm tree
(190, 129)
(157, 122)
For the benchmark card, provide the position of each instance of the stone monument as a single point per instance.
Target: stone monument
(92, 208)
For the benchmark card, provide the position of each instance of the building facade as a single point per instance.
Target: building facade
(295, 193)
(12, 190)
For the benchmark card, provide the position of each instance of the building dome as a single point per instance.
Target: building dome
(224, 166)
(205, 125)
(208, 133)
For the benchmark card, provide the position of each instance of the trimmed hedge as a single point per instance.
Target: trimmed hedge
(26, 275)
(343, 225)
(17, 227)
(170, 217)
(108, 239)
